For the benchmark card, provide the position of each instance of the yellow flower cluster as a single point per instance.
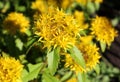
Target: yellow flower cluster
(42, 5)
(56, 28)
(90, 54)
(10, 70)
(39, 5)
(103, 30)
(79, 16)
(97, 1)
(16, 21)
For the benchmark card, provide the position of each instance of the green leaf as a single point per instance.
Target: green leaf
(81, 77)
(115, 21)
(21, 8)
(32, 73)
(19, 44)
(53, 58)
(30, 43)
(102, 46)
(66, 76)
(90, 7)
(46, 77)
(97, 5)
(77, 56)
(97, 69)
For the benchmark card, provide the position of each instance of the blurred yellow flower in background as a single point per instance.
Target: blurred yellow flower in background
(82, 2)
(16, 22)
(39, 5)
(79, 16)
(103, 30)
(97, 1)
(56, 28)
(66, 3)
(10, 69)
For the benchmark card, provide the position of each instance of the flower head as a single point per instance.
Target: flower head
(66, 3)
(10, 69)
(39, 5)
(90, 54)
(103, 30)
(16, 21)
(56, 28)
(79, 16)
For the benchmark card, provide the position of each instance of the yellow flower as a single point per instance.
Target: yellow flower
(90, 54)
(39, 5)
(79, 16)
(97, 1)
(55, 3)
(72, 64)
(82, 2)
(56, 28)
(86, 39)
(16, 21)
(10, 69)
(66, 3)
(103, 30)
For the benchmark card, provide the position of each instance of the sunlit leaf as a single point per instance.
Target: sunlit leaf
(102, 46)
(81, 77)
(32, 72)
(66, 76)
(53, 60)
(19, 44)
(46, 77)
(97, 69)
(77, 56)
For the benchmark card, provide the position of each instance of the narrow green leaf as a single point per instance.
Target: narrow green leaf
(66, 76)
(32, 73)
(31, 41)
(77, 56)
(81, 77)
(97, 69)
(53, 60)
(102, 46)
(46, 77)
